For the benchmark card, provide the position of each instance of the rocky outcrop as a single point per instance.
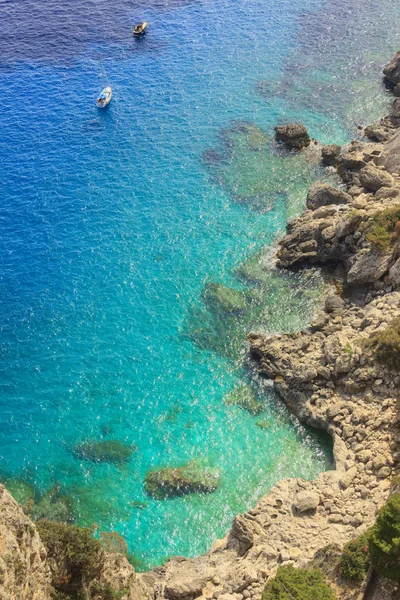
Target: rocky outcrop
(292, 135)
(392, 70)
(24, 572)
(373, 179)
(323, 194)
(344, 227)
(118, 575)
(330, 155)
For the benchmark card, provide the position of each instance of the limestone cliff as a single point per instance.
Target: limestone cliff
(24, 572)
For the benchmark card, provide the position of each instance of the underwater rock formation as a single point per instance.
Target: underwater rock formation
(223, 298)
(255, 173)
(244, 397)
(110, 451)
(190, 478)
(54, 506)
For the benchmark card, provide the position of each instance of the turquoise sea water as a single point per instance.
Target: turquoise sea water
(112, 222)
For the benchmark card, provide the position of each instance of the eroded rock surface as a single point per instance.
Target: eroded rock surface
(293, 135)
(24, 573)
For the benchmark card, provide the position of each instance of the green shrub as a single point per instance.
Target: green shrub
(354, 561)
(73, 553)
(100, 592)
(386, 344)
(385, 229)
(384, 543)
(297, 584)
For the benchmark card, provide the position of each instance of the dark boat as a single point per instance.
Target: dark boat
(140, 28)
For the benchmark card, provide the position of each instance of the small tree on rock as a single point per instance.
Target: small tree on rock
(297, 584)
(384, 542)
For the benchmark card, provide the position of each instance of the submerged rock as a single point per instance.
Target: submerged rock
(190, 478)
(111, 451)
(293, 135)
(22, 491)
(54, 506)
(244, 397)
(264, 423)
(223, 298)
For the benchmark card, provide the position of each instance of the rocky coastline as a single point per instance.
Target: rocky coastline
(328, 375)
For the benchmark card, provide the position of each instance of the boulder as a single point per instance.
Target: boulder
(190, 478)
(352, 160)
(334, 304)
(305, 501)
(368, 266)
(347, 477)
(293, 135)
(373, 179)
(392, 69)
(390, 158)
(330, 155)
(185, 582)
(322, 194)
(241, 536)
(335, 345)
(394, 274)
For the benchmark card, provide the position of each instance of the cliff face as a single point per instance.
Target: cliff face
(24, 573)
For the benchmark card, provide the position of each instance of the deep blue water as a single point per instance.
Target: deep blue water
(112, 222)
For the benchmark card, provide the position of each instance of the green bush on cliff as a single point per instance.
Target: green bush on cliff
(297, 584)
(100, 592)
(386, 344)
(73, 552)
(354, 560)
(384, 230)
(384, 542)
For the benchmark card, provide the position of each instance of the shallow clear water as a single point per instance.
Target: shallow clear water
(112, 222)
